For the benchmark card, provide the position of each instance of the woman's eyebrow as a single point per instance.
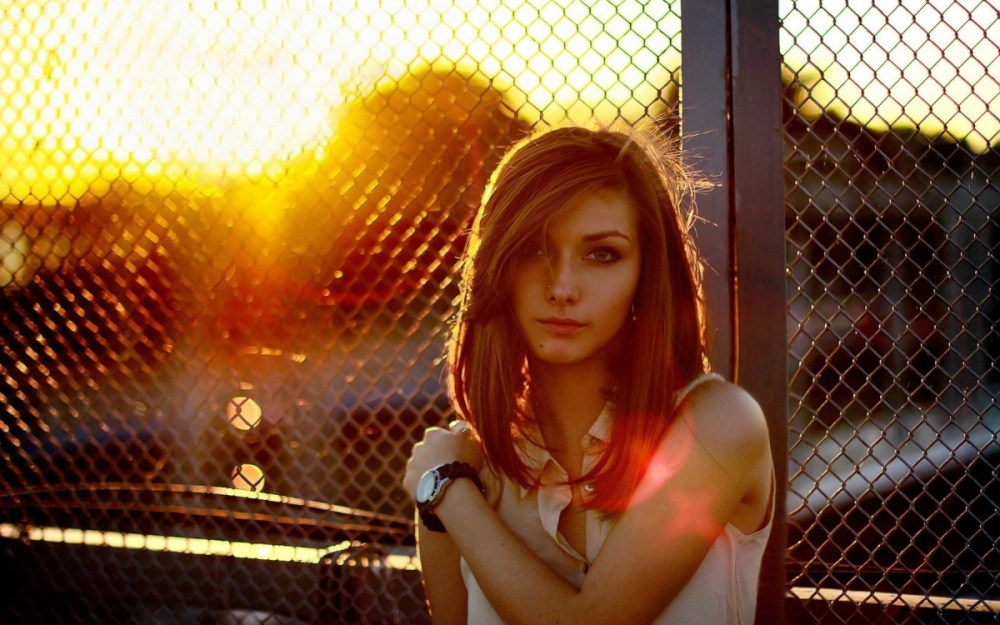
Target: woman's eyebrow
(605, 234)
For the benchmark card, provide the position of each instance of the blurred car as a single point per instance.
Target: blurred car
(907, 508)
(894, 456)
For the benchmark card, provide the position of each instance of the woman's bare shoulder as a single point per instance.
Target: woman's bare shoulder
(728, 422)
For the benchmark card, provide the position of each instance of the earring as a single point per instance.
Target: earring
(632, 311)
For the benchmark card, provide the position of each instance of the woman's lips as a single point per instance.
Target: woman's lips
(561, 326)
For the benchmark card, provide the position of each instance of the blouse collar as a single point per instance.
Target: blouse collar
(537, 458)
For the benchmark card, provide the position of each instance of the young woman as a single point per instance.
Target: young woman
(599, 473)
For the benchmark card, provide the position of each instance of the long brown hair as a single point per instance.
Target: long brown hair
(663, 346)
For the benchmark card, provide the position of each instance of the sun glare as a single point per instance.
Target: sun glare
(197, 92)
(97, 90)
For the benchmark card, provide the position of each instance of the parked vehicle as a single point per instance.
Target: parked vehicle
(892, 397)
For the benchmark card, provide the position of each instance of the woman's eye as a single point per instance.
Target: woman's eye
(533, 251)
(604, 255)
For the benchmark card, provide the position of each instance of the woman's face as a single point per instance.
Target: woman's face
(573, 289)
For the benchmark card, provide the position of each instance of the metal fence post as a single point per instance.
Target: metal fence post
(759, 237)
(705, 114)
(732, 123)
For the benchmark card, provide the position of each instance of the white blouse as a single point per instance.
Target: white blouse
(722, 591)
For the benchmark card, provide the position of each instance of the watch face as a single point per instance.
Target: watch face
(427, 486)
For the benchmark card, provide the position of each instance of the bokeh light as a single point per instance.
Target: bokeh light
(248, 477)
(243, 413)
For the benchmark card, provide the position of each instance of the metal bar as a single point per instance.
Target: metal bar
(891, 599)
(759, 243)
(705, 127)
(732, 127)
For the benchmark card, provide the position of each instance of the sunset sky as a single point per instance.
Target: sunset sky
(94, 90)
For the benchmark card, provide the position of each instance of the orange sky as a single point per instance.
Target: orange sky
(91, 91)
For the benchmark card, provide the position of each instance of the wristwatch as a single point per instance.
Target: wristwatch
(432, 486)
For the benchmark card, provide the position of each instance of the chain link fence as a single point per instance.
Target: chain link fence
(228, 245)
(228, 237)
(892, 181)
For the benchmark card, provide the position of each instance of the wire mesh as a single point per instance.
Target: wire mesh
(891, 180)
(228, 241)
(228, 236)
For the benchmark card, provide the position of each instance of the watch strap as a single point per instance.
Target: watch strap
(447, 473)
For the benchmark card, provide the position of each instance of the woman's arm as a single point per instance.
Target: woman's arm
(442, 575)
(440, 559)
(714, 455)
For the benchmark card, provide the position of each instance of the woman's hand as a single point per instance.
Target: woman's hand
(439, 447)
(440, 558)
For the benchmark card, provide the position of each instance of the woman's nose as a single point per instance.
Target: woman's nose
(562, 284)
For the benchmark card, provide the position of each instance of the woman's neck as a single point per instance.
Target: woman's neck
(568, 400)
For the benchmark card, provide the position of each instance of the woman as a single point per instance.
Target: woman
(599, 475)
